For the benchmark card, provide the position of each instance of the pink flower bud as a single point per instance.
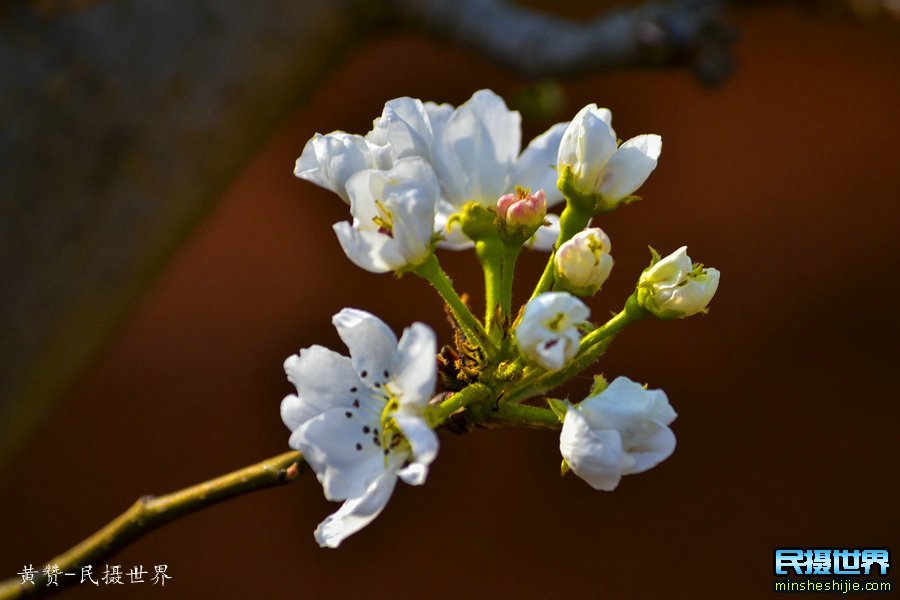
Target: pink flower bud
(522, 208)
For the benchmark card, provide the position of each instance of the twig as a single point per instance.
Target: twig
(537, 44)
(150, 512)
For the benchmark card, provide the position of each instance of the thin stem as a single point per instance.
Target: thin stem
(510, 255)
(431, 270)
(475, 392)
(150, 512)
(523, 415)
(488, 253)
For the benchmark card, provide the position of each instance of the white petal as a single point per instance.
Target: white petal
(369, 250)
(323, 379)
(415, 366)
(626, 403)
(587, 145)
(475, 150)
(630, 167)
(504, 126)
(594, 455)
(536, 167)
(356, 513)
(656, 445)
(546, 235)
(371, 342)
(424, 443)
(330, 160)
(670, 271)
(404, 127)
(438, 115)
(338, 448)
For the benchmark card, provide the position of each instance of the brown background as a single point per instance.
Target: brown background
(786, 179)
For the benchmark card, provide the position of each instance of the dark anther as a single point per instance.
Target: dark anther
(386, 374)
(363, 374)
(356, 404)
(358, 447)
(366, 429)
(348, 414)
(353, 390)
(377, 385)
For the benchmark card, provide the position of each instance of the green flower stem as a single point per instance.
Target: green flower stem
(150, 512)
(431, 270)
(490, 256)
(510, 255)
(572, 220)
(475, 392)
(528, 416)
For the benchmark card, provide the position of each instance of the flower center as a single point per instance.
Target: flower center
(384, 220)
(392, 438)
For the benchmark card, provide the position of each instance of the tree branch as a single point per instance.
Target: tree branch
(536, 44)
(150, 512)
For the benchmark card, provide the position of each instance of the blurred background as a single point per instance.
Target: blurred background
(160, 261)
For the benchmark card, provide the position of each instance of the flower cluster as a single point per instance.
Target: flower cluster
(430, 176)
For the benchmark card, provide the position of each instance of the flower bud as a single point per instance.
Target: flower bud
(583, 263)
(674, 287)
(520, 214)
(522, 208)
(622, 430)
(599, 166)
(548, 333)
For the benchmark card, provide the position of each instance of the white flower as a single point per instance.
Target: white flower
(393, 216)
(548, 332)
(330, 160)
(475, 151)
(583, 263)
(359, 421)
(623, 430)
(675, 287)
(599, 165)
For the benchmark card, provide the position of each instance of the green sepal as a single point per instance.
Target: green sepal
(559, 408)
(476, 221)
(600, 384)
(564, 468)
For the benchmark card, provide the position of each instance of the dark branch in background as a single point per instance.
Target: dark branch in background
(539, 45)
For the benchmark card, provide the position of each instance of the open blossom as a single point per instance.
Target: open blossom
(330, 160)
(393, 216)
(583, 263)
(549, 332)
(475, 151)
(675, 287)
(359, 421)
(599, 165)
(623, 430)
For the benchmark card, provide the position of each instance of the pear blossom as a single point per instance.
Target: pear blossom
(583, 263)
(393, 216)
(675, 287)
(475, 151)
(600, 166)
(623, 430)
(548, 332)
(359, 421)
(330, 160)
